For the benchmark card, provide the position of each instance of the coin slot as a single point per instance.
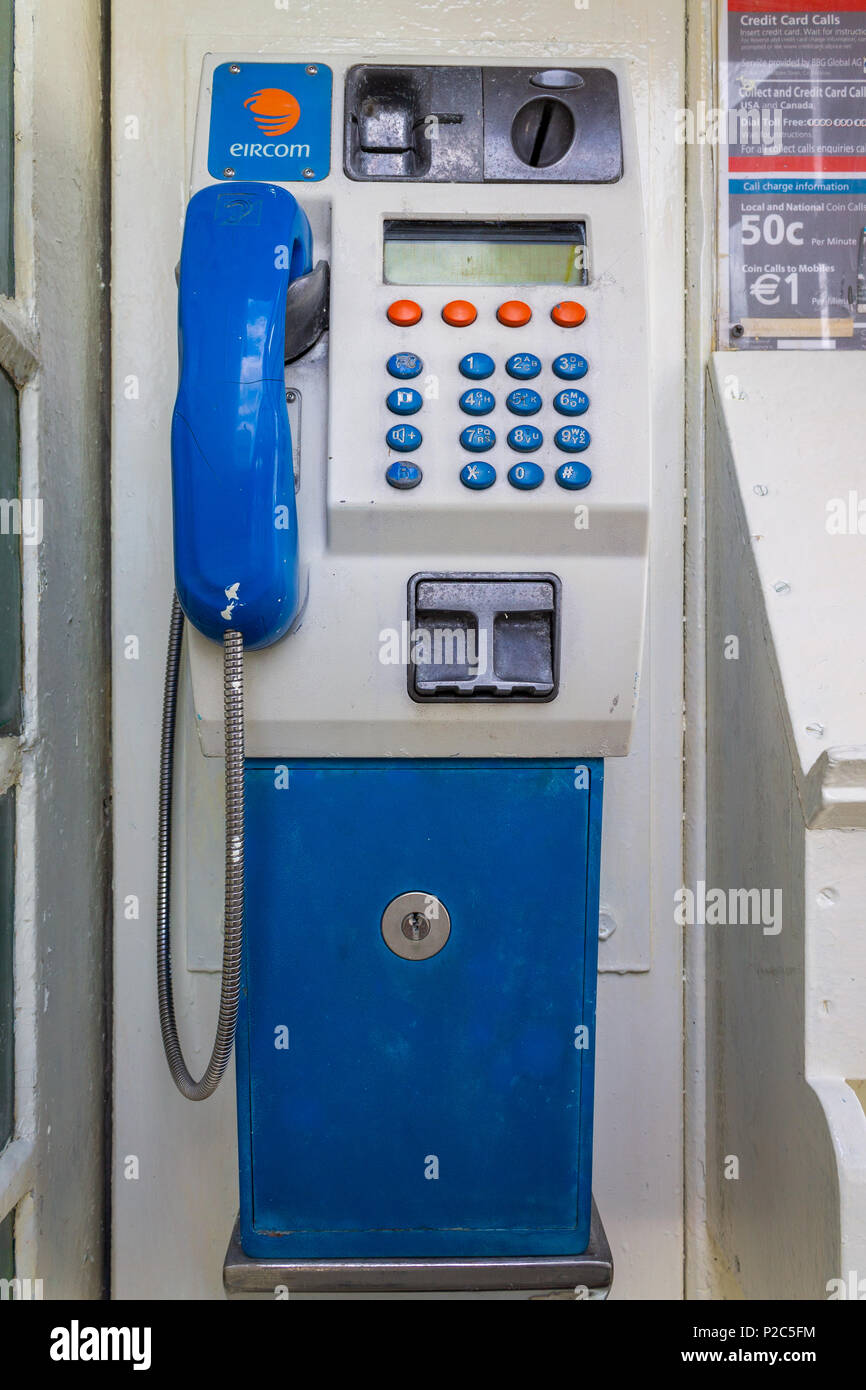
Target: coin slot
(542, 132)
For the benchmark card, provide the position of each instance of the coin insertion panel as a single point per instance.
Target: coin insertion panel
(493, 124)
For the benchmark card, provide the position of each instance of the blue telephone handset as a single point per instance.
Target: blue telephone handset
(235, 519)
(247, 301)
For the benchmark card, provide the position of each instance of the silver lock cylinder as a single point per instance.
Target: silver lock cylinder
(415, 925)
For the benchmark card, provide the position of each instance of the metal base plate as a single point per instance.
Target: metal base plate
(586, 1276)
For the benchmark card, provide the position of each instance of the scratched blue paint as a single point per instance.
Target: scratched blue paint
(469, 1056)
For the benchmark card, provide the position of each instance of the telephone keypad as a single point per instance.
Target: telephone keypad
(460, 313)
(524, 401)
(568, 313)
(572, 439)
(525, 439)
(570, 366)
(405, 365)
(477, 438)
(405, 313)
(403, 438)
(514, 313)
(573, 475)
(477, 401)
(526, 476)
(478, 475)
(403, 475)
(477, 366)
(523, 366)
(571, 403)
(404, 401)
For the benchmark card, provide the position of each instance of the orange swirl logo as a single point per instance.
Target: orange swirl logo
(274, 110)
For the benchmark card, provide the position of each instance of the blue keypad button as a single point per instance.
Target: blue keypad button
(526, 476)
(570, 366)
(477, 366)
(571, 402)
(405, 365)
(572, 439)
(524, 402)
(523, 366)
(404, 401)
(477, 401)
(478, 438)
(478, 475)
(573, 475)
(525, 439)
(403, 438)
(403, 475)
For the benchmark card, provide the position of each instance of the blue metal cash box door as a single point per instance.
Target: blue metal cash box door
(390, 1107)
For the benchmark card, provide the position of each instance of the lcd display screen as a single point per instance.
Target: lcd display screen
(485, 253)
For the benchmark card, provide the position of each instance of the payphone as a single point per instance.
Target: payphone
(411, 473)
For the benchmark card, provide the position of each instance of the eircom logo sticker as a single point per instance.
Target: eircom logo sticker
(271, 121)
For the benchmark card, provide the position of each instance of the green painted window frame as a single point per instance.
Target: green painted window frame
(7, 148)
(7, 1246)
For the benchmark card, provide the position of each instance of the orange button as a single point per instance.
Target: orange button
(459, 313)
(404, 312)
(568, 314)
(514, 313)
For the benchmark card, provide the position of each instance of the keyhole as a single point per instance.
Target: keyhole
(542, 132)
(415, 926)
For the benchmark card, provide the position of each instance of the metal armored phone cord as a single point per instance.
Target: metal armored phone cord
(233, 686)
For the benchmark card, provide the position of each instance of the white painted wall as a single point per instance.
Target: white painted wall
(172, 1221)
(786, 1042)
